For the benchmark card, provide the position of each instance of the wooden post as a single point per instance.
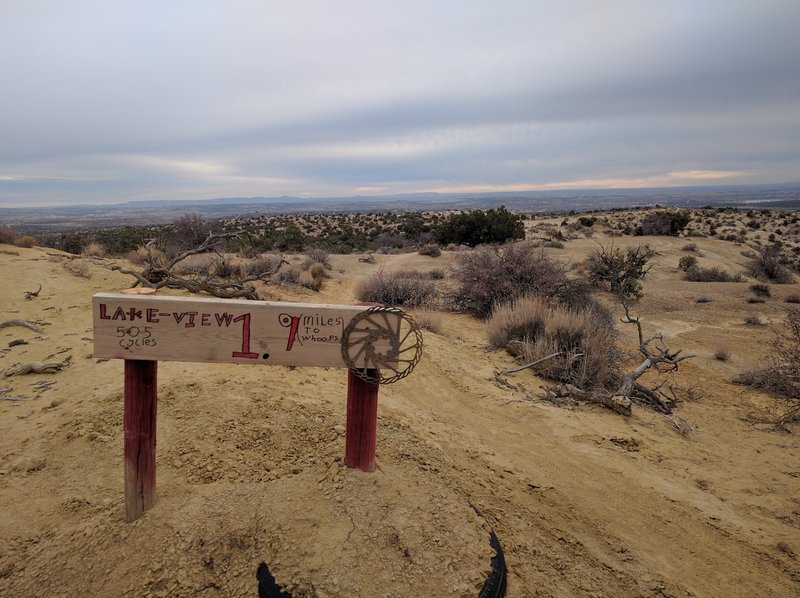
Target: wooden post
(140, 436)
(362, 422)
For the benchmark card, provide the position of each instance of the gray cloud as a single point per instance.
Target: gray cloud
(107, 101)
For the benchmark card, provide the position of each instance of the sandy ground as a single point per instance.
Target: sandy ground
(250, 463)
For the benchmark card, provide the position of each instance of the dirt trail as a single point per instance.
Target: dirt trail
(250, 467)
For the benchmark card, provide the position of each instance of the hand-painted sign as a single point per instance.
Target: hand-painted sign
(166, 328)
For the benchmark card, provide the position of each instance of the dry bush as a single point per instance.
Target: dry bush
(307, 280)
(317, 255)
(755, 299)
(317, 270)
(431, 250)
(782, 377)
(753, 320)
(262, 265)
(713, 274)
(389, 288)
(768, 265)
(27, 241)
(584, 339)
(793, 298)
(93, 250)
(702, 299)
(227, 267)
(761, 290)
(490, 275)
(8, 235)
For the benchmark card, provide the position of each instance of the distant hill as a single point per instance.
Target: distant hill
(785, 196)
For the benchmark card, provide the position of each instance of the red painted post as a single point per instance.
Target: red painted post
(141, 399)
(362, 422)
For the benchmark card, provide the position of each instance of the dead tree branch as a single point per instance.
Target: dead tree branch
(31, 294)
(656, 355)
(159, 273)
(23, 323)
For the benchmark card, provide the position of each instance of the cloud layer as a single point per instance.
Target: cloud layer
(115, 101)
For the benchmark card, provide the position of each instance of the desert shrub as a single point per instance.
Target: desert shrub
(755, 299)
(553, 244)
(317, 255)
(431, 250)
(664, 222)
(761, 290)
(587, 221)
(477, 227)
(687, 262)
(488, 275)
(793, 298)
(702, 299)
(690, 247)
(619, 271)
(768, 265)
(93, 250)
(8, 235)
(753, 320)
(713, 274)
(389, 288)
(584, 339)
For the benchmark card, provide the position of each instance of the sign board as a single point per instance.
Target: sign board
(157, 328)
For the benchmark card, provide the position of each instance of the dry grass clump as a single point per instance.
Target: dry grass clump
(289, 275)
(703, 299)
(93, 250)
(433, 274)
(761, 290)
(309, 281)
(722, 354)
(78, 268)
(430, 320)
(755, 299)
(489, 275)
(584, 340)
(793, 298)
(137, 256)
(390, 288)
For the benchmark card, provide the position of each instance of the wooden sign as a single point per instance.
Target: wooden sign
(161, 328)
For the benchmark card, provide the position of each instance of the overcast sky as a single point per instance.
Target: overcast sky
(106, 101)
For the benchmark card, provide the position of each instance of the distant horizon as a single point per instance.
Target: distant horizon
(409, 194)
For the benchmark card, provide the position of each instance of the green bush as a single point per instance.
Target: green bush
(619, 271)
(478, 227)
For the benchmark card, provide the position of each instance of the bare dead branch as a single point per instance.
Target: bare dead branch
(23, 323)
(31, 294)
